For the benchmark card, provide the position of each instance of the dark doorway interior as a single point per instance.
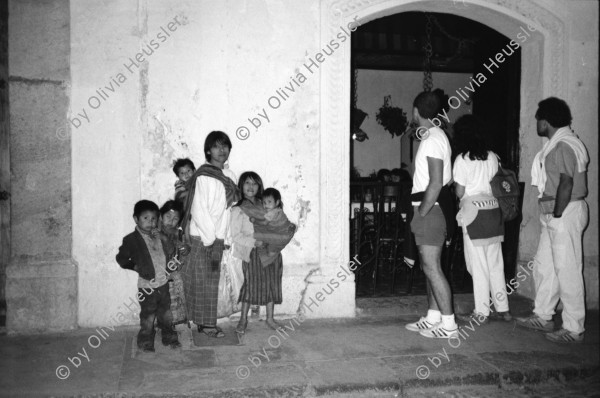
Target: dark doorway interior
(459, 45)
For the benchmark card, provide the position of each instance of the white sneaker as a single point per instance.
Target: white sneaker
(439, 332)
(421, 324)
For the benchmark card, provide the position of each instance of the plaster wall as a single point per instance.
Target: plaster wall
(41, 288)
(581, 93)
(219, 67)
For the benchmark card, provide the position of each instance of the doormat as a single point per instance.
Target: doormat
(202, 340)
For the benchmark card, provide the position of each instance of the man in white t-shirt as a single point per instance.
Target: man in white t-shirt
(433, 171)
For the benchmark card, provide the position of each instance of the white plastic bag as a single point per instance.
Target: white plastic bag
(230, 283)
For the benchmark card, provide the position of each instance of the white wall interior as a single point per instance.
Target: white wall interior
(381, 150)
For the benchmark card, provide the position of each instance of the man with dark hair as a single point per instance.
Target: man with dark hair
(555, 111)
(428, 104)
(429, 197)
(212, 190)
(559, 172)
(213, 140)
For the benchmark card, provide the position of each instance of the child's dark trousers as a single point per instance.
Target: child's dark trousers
(155, 304)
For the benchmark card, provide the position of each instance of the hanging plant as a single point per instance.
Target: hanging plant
(393, 119)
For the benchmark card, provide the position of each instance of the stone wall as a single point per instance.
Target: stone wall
(41, 289)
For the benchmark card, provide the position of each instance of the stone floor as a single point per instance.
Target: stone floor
(584, 388)
(370, 354)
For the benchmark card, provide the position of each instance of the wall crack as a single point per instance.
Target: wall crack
(303, 292)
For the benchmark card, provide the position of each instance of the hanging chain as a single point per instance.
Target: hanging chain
(448, 35)
(427, 78)
(462, 42)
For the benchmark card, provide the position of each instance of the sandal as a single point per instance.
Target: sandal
(211, 331)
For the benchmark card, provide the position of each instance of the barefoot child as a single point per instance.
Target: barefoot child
(262, 278)
(143, 252)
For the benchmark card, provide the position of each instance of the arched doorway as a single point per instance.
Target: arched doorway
(390, 60)
(543, 72)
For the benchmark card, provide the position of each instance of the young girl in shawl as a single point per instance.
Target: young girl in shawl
(262, 273)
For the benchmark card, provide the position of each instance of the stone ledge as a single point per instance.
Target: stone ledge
(396, 386)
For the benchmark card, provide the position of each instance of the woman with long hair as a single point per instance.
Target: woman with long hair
(480, 218)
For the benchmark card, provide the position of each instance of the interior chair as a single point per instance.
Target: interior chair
(363, 231)
(391, 234)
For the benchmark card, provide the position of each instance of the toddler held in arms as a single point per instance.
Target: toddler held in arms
(184, 169)
(274, 217)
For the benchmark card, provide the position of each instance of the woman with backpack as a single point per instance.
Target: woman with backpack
(480, 218)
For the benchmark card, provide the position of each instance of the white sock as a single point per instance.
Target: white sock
(448, 322)
(433, 316)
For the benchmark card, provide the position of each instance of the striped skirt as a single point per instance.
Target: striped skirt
(262, 285)
(201, 282)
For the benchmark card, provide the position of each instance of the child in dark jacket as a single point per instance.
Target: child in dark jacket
(144, 252)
